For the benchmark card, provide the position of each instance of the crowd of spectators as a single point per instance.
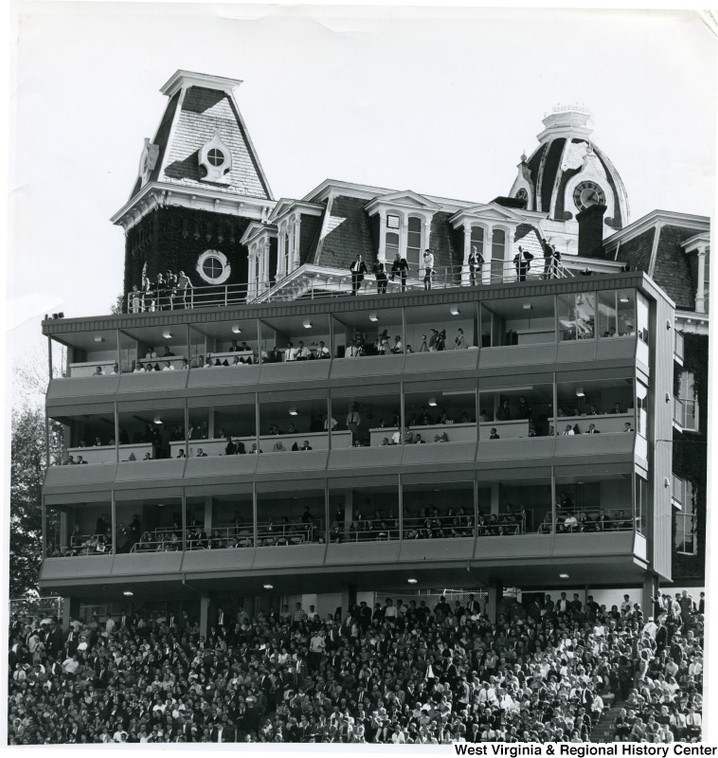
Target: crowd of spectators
(396, 674)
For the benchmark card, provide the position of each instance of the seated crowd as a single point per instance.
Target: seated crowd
(396, 674)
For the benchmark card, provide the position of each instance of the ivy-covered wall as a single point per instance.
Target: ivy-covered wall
(690, 458)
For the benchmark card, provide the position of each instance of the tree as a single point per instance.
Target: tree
(27, 472)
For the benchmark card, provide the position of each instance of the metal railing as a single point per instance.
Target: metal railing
(312, 282)
(577, 525)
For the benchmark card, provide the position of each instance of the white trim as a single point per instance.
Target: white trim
(226, 270)
(286, 206)
(654, 247)
(216, 200)
(669, 218)
(183, 78)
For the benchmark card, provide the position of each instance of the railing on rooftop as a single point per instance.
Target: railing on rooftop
(315, 282)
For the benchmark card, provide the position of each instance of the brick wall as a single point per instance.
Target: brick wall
(174, 238)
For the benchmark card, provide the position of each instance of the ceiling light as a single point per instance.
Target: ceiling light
(293, 411)
(454, 311)
(99, 339)
(236, 329)
(373, 317)
(527, 306)
(268, 586)
(167, 334)
(580, 392)
(307, 324)
(128, 593)
(412, 581)
(432, 402)
(563, 576)
(157, 419)
(623, 299)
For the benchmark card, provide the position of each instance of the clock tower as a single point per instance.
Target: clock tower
(566, 175)
(198, 187)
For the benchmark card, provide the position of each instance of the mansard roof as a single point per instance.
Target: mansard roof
(200, 107)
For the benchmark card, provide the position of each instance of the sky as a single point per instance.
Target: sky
(438, 101)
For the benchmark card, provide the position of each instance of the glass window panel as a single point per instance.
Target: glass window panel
(519, 412)
(607, 314)
(392, 245)
(438, 510)
(439, 415)
(605, 403)
(297, 425)
(642, 311)
(626, 313)
(79, 529)
(364, 514)
(518, 321)
(288, 519)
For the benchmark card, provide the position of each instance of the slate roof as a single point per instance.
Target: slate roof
(184, 130)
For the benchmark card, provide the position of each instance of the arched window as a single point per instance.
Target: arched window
(477, 240)
(413, 241)
(392, 245)
(498, 256)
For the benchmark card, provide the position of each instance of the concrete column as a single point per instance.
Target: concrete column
(210, 425)
(348, 510)
(70, 611)
(465, 279)
(488, 252)
(495, 493)
(204, 610)
(495, 594)
(650, 588)
(381, 255)
(700, 298)
(207, 514)
(349, 598)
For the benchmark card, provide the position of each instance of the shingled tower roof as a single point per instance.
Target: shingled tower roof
(202, 107)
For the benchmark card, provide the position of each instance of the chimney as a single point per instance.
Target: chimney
(590, 231)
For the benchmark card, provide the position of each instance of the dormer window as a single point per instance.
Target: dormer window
(215, 161)
(404, 225)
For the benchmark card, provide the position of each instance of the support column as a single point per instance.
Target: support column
(208, 515)
(204, 610)
(70, 611)
(294, 249)
(700, 296)
(252, 273)
(495, 492)
(650, 589)
(465, 278)
(349, 598)
(381, 254)
(495, 595)
(488, 254)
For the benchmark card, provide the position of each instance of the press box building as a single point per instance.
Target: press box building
(509, 490)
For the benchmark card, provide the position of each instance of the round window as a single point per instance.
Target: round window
(213, 267)
(215, 157)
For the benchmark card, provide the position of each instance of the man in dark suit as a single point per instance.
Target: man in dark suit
(400, 267)
(592, 429)
(358, 269)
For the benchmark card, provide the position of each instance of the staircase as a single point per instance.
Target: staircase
(603, 729)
